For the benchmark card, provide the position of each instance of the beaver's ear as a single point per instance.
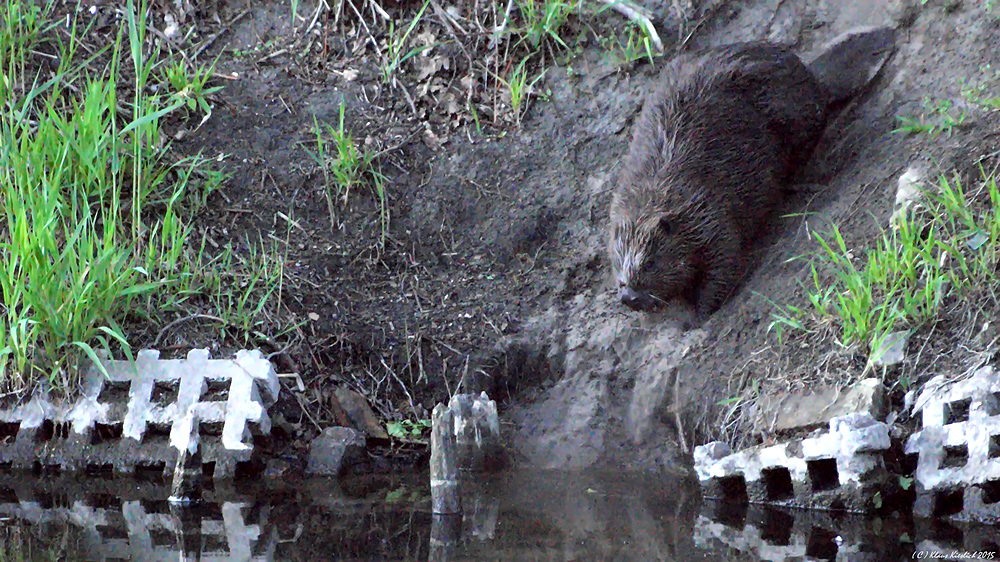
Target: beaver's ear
(667, 225)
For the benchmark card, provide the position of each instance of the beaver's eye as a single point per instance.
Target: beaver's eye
(666, 226)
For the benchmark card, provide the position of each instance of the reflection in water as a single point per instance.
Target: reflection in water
(516, 516)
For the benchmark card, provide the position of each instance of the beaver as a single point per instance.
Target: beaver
(712, 155)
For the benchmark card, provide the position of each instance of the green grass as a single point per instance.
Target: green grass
(986, 94)
(76, 183)
(345, 168)
(94, 230)
(519, 88)
(396, 53)
(527, 37)
(636, 44)
(409, 430)
(949, 249)
(942, 116)
(938, 117)
(240, 287)
(189, 84)
(20, 25)
(543, 20)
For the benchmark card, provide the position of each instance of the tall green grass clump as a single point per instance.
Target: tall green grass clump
(544, 19)
(78, 243)
(345, 168)
(950, 248)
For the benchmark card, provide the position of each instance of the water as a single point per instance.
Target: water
(520, 516)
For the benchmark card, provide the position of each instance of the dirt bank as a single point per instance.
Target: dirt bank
(493, 271)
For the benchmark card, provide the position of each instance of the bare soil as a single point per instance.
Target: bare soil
(493, 275)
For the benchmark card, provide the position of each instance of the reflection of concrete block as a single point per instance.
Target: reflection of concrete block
(142, 413)
(141, 530)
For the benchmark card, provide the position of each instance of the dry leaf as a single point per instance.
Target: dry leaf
(426, 37)
(450, 104)
(468, 83)
(432, 140)
(170, 26)
(348, 74)
(429, 66)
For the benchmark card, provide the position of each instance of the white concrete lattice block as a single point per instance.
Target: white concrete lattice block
(973, 407)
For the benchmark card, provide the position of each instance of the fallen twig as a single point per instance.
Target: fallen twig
(211, 40)
(181, 320)
(638, 15)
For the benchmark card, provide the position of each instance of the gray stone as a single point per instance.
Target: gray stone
(334, 450)
(711, 452)
(356, 413)
(820, 405)
(276, 468)
(892, 350)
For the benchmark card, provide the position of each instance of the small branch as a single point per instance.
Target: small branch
(677, 411)
(636, 14)
(208, 42)
(159, 336)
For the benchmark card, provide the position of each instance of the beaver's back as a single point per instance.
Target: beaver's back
(709, 154)
(719, 136)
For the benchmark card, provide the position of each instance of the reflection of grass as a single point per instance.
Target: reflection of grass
(951, 250)
(19, 542)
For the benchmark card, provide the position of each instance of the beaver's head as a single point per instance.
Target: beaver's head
(651, 258)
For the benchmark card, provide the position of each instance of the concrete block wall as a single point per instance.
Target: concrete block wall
(958, 448)
(840, 469)
(141, 414)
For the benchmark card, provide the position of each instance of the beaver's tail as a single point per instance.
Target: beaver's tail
(848, 63)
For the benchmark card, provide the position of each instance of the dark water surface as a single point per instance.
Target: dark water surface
(515, 516)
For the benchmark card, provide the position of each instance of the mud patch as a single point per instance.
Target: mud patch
(492, 272)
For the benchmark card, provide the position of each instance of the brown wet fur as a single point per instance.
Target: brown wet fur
(710, 159)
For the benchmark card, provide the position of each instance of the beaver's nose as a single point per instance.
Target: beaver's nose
(631, 298)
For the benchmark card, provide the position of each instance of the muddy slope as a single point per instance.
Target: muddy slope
(635, 387)
(493, 275)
